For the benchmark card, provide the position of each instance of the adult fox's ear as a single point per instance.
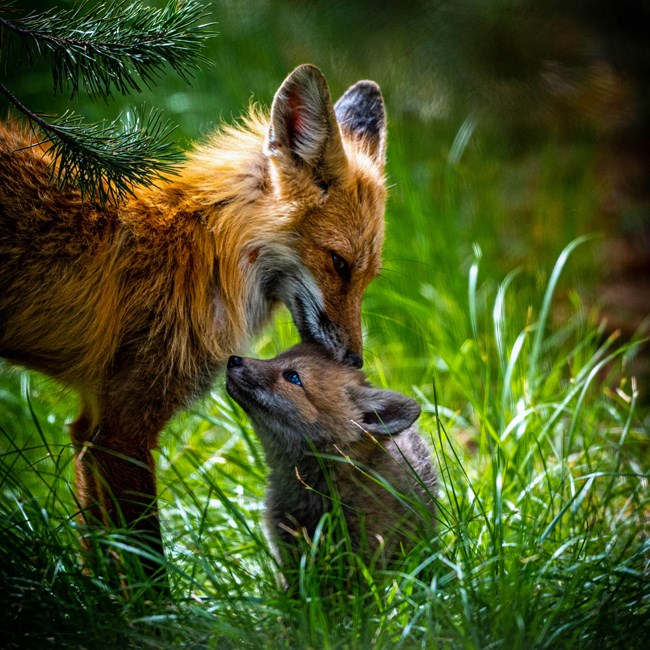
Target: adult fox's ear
(385, 412)
(304, 130)
(362, 116)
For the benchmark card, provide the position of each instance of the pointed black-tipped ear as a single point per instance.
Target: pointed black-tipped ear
(385, 412)
(303, 124)
(361, 114)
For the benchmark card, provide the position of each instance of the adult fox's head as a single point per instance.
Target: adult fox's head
(327, 173)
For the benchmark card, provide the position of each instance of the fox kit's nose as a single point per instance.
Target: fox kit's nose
(235, 362)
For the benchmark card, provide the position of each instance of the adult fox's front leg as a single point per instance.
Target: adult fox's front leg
(115, 470)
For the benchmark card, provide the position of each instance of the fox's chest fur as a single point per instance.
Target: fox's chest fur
(159, 275)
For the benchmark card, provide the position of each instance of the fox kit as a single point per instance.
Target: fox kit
(138, 305)
(327, 434)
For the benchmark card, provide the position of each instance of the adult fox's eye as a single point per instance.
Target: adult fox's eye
(341, 266)
(292, 376)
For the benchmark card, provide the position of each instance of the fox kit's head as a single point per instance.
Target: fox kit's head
(304, 399)
(327, 173)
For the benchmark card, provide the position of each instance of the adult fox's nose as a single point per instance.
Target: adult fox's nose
(235, 362)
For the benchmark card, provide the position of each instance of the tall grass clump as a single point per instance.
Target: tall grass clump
(543, 530)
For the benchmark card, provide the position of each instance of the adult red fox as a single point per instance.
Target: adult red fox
(328, 434)
(137, 306)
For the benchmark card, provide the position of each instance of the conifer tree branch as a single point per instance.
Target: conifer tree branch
(105, 160)
(121, 46)
(30, 115)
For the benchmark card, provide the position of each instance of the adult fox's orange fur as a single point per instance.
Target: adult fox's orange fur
(138, 305)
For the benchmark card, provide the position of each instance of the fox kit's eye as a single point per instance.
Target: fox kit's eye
(292, 376)
(341, 266)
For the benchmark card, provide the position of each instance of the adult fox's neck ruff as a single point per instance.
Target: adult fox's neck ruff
(138, 305)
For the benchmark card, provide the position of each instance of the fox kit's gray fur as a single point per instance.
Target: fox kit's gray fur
(327, 433)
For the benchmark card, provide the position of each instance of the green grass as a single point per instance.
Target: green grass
(542, 536)
(485, 313)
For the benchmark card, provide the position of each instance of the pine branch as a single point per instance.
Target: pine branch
(119, 47)
(105, 160)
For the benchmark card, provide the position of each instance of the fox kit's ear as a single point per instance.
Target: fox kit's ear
(304, 130)
(386, 412)
(361, 114)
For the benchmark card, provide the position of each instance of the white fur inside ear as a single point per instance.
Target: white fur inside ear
(385, 412)
(300, 116)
